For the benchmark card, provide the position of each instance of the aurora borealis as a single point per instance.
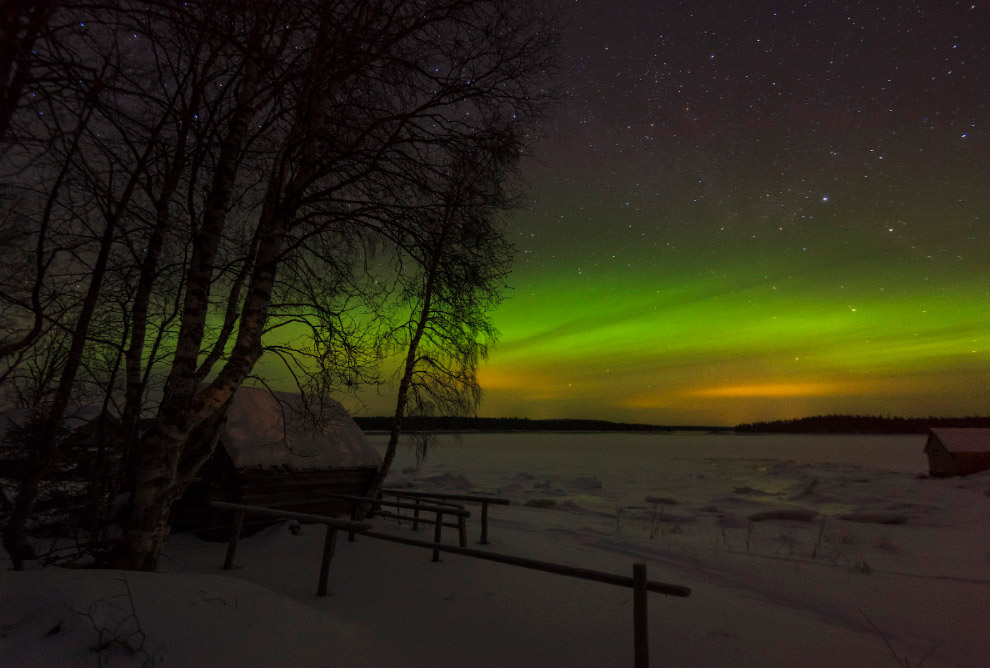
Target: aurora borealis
(755, 212)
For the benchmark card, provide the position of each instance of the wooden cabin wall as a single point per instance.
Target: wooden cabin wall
(971, 462)
(300, 491)
(940, 462)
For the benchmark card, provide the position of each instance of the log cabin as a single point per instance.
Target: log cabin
(275, 451)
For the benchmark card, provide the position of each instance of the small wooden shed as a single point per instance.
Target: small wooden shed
(957, 451)
(272, 451)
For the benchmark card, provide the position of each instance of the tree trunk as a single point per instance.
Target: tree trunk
(395, 430)
(167, 462)
(182, 409)
(159, 484)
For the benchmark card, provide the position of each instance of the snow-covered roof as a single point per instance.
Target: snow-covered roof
(272, 429)
(972, 439)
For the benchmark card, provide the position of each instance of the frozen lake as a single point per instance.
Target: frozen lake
(605, 471)
(618, 454)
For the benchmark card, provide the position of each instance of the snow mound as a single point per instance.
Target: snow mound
(58, 617)
(875, 518)
(799, 514)
(586, 482)
(449, 480)
(753, 491)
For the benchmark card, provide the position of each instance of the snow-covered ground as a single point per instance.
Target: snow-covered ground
(911, 583)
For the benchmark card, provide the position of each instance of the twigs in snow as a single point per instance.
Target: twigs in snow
(905, 662)
(126, 633)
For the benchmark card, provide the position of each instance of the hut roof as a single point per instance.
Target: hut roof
(972, 439)
(274, 430)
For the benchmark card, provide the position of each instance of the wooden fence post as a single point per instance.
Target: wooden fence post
(235, 534)
(355, 511)
(437, 534)
(484, 523)
(641, 638)
(461, 530)
(329, 545)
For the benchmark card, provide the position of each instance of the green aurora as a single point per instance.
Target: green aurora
(756, 335)
(741, 214)
(698, 327)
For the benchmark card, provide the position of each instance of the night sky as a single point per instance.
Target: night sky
(750, 211)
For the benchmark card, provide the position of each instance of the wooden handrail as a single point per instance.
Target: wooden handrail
(446, 509)
(329, 543)
(534, 564)
(485, 501)
(474, 498)
(346, 525)
(638, 583)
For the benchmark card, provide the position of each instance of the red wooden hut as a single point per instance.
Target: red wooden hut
(957, 451)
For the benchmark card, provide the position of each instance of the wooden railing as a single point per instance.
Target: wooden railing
(439, 511)
(329, 542)
(485, 501)
(638, 582)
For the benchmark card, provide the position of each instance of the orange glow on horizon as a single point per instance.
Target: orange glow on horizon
(773, 390)
(780, 390)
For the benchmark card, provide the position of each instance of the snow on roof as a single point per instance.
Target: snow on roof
(272, 429)
(972, 439)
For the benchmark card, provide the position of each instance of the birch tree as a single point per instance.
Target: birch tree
(209, 174)
(457, 244)
(373, 89)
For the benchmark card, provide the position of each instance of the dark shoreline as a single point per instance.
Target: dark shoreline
(485, 424)
(822, 424)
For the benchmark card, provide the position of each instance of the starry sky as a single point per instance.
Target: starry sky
(753, 211)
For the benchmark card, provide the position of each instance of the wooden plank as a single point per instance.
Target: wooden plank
(475, 498)
(329, 546)
(435, 502)
(641, 639)
(355, 512)
(235, 534)
(396, 516)
(445, 509)
(332, 506)
(346, 525)
(273, 488)
(546, 566)
(436, 536)
(362, 473)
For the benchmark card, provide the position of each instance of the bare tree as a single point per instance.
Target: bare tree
(378, 87)
(215, 173)
(109, 153)
(462, 259)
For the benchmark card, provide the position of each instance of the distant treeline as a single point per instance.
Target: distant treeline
(860, 424)
(819, 424)
(516, 424)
